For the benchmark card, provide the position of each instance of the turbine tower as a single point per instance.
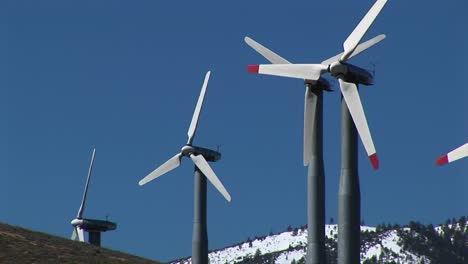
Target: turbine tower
(94, 227)
(203, 171)
(349, 76)
(313, 156)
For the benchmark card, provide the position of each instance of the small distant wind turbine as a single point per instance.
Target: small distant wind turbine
(94, 227)
(203, 171)
(454, 155)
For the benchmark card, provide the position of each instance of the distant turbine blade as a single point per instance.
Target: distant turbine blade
(360, 48)
(205, 168)
(353, 101)
(169, 165)
(73, 236)
(300, 71)
(83, 201)
(454, 155)
(196, 113)
(310, 108)
(355, 37)
(80, 232)
(265, 52)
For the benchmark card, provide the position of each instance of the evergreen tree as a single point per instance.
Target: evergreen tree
(372, 260)
(462, 222)
(258, 253)
(295, 231)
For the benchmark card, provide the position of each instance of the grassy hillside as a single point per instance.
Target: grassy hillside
(19, 245)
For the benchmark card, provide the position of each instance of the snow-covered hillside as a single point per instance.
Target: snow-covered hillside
(291, 245)
(287, 246)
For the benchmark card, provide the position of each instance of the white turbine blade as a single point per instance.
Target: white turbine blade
(80, 233)
(265, 52)
(85, 193)
(196, 113)
(169, 165)
(360, 48)
(454, 155)
(310, 107)
(300, 71)
(353, 101)
(205, 168)
(73, 236)
(355, 37)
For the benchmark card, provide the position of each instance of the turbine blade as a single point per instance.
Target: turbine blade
(196, 113)
(169, 165)
(265, 52)
(80, 233)
(353, 101)
(205, 168)
(310, 108)
(73, 236)
(300, 71)
(360, 48)
(85, 193)
(355, 37)
(454, 155)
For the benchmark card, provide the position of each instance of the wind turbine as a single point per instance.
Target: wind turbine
(203, 171)
(349, 76)
(313, 156)
(313, 148)
(94, 227)
(454, 155)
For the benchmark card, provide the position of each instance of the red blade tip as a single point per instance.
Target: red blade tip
(253, 68)
(375, 161)
(442, 160)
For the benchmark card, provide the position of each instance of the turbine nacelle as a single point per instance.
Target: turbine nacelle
(351, 73)
(320, 84)
(208, 154)
(94, 225)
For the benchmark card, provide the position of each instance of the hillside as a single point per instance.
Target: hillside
(19, 245)
(412, 244)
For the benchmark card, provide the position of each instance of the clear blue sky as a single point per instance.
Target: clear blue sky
(124, 77)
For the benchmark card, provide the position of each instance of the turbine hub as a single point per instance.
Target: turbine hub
(338, 69)
(187, 150)
(77, 222)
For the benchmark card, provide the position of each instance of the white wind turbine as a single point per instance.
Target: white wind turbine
(198, 155)
(203, 171)
(349, 76)
(94, 227)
